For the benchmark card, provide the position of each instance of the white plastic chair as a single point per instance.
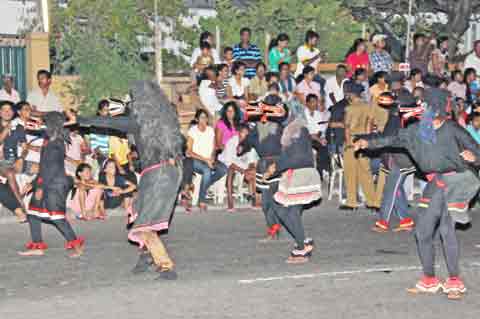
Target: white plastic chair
(336, 177)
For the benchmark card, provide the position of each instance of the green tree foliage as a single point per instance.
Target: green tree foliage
(99, 41)
(335, 25)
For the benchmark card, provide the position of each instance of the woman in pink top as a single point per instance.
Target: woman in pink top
(226, 127)
(357, 57)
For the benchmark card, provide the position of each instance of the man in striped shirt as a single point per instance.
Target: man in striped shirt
(247, 52)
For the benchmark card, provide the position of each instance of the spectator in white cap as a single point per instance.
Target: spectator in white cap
(8, 93)
(380, 59)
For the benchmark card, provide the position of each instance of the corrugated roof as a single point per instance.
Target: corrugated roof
(210, 4)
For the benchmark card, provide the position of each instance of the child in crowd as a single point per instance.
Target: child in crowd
(457, 87)
(86, 198)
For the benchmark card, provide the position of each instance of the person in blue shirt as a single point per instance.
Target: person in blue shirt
(247, 53)
(474, 127)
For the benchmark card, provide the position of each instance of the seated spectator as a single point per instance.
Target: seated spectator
(474, 127)
(272, 77)
(307, 86)
(74, 152)
(334, 86)
(226, 128)
(258, 85)
(204, 60)
(118, 152)
(419, 93)
(360, 78)
(380, 86)
(318, 78)
(208, 92)
(286, 81)
(461, 115)
(414, 80)
(357, 57)
(8, 93)
(118, 190)
(12, 136)
(99, 137)
(228, 59)
(279, 52)
(457, 87)
(473, 86)
(229, 157)
(201, 148)
(274, 89)
(205, 37)
(86, 198)
(238, 85)
(223, 76)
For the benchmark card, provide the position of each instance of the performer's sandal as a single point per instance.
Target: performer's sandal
(299, 256)
(426, 285)
(381, 226)
(166, 270)
(454, 288)
(34, 249)
(77, 245)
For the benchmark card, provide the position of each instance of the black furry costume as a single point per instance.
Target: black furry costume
(154, 126)
(51, 187)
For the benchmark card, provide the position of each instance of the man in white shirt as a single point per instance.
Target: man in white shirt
(208, 92)
(334, 87)
(317, 117)
(473, 59)
(8, 93)
(43, 99)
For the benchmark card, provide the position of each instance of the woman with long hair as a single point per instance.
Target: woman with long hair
(227, 126)
(357, 57)
(279, 52)
(118, 189)
(238, 85)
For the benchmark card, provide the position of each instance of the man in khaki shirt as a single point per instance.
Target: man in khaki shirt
(356, 165)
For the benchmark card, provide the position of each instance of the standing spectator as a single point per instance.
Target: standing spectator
(86, 198)
(473, 59)
(457, 87)
(118, 190)
(317, 118)
(419, 57)
(360, 78)
(43, 99)
(380, 59)
(8, 93)
(30, 152)
(227, 126)
(357, 166)
(74, 152)
(308, 54)
(286, 81)
(258, 85)
(414, 80)
(236, 164)
(439, 61)
(238, 85)
(201, 148)
(228, 57)
(247, 53)
(357, 57)
(197, 52)
(474, 127)
(99, 137)
(334, 86)
(307, 86)
(279, 52)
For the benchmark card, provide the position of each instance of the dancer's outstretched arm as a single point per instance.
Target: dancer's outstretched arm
(121, 123)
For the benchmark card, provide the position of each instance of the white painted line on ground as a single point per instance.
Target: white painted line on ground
(346, 273)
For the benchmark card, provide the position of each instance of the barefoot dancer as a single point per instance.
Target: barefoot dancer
(153, 124)
(50, 189)
(444, 151)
